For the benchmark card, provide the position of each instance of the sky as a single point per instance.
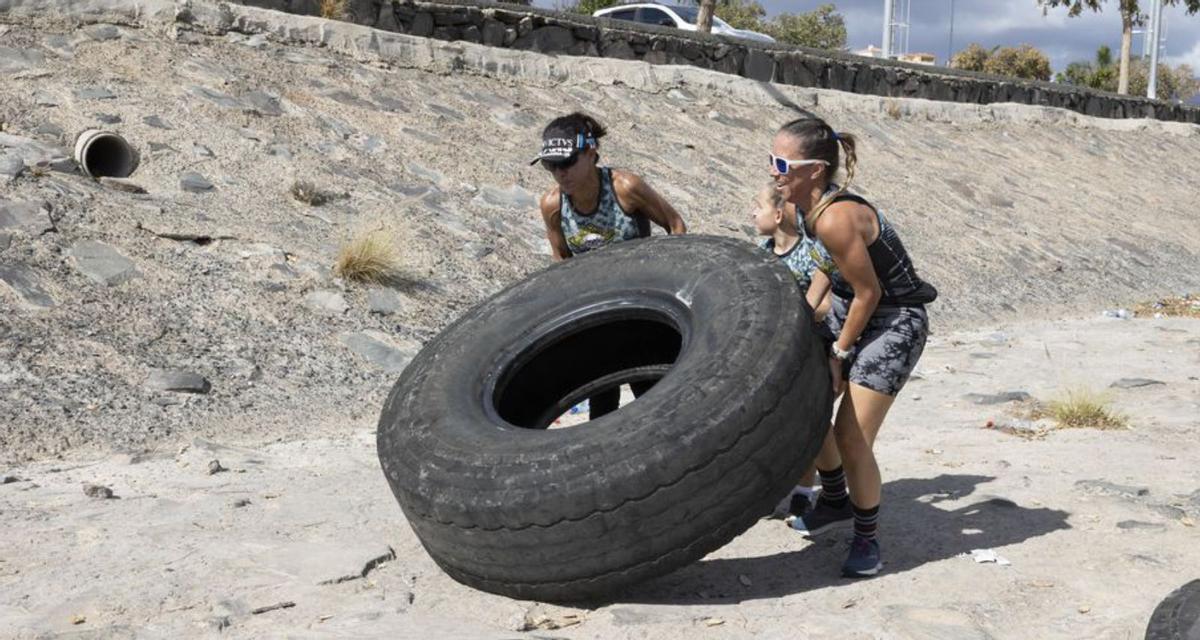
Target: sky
(1008, 23)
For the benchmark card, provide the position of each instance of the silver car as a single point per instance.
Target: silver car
(675, 16)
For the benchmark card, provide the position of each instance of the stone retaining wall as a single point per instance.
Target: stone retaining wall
(521, 27)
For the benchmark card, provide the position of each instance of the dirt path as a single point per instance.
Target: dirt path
(1098, 525)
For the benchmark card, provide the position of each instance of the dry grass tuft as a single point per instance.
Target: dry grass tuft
(1084, 409)
(308, 193)
(333, 9)
(371, 256)
(1186, 306)
(893, 110)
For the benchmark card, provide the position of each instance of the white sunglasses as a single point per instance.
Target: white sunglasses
(783, 164)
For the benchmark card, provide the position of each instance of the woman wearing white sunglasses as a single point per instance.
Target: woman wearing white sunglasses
(877, 320)
(591, 206)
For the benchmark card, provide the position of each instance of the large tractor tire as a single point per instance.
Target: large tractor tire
(740, 407)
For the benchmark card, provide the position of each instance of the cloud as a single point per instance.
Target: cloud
(1191, 58)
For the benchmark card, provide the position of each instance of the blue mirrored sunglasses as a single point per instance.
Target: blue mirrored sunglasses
(782, 165)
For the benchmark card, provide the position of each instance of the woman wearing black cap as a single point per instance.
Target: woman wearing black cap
(592, 206)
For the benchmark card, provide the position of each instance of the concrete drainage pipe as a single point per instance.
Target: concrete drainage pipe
(104, 154)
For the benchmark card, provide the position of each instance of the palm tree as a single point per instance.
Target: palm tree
(704, 20)
(1130, 15)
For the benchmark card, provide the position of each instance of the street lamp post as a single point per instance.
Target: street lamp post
(888, 8)
(1155, 30)
(950, 44)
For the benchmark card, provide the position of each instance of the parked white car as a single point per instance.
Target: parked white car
(675, 16)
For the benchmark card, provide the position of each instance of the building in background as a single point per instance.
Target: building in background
(871, 51)
(918, 57)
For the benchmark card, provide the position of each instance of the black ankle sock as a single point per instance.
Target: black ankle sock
(866, 521)
(833, 487)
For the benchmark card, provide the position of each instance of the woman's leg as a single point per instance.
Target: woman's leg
(858, 422)
(888, 352)
(803, 497)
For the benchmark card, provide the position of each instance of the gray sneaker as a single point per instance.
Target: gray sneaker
(822, 518)
(863, 560)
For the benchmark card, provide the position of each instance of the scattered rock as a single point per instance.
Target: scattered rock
(201, 151)
(94, 93)
(35, 152)
(384, 301)
(216, 97)
(349, 99)
(249, 134)
(241, 502)
(256, 41)
(377, 349)
(156, 122)
(447, 112)
(430, 175)
(122, 184)
(326, 301)
(729, 121)
(513, 197)
(97, 491)
(60, 45)
(388, 103)
(1103, 487)
(16, 60)
(5, 240)
(107, 118)
(478, 250)
(11, 166)
(24, 283)
(410, 190)
(997, 398)
(102, 263)
(9, 479)
(338, 127)
(30, 216)
(1033, 429)
(102, 32)
(177, 380)
(260, 102)
(214, 467)
(194, 182)
(1134, 383)
(49, 129)
(1129, 525)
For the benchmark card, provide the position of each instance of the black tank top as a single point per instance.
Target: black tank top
(898, 279)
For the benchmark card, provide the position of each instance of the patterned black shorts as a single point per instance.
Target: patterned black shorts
(890, 345)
